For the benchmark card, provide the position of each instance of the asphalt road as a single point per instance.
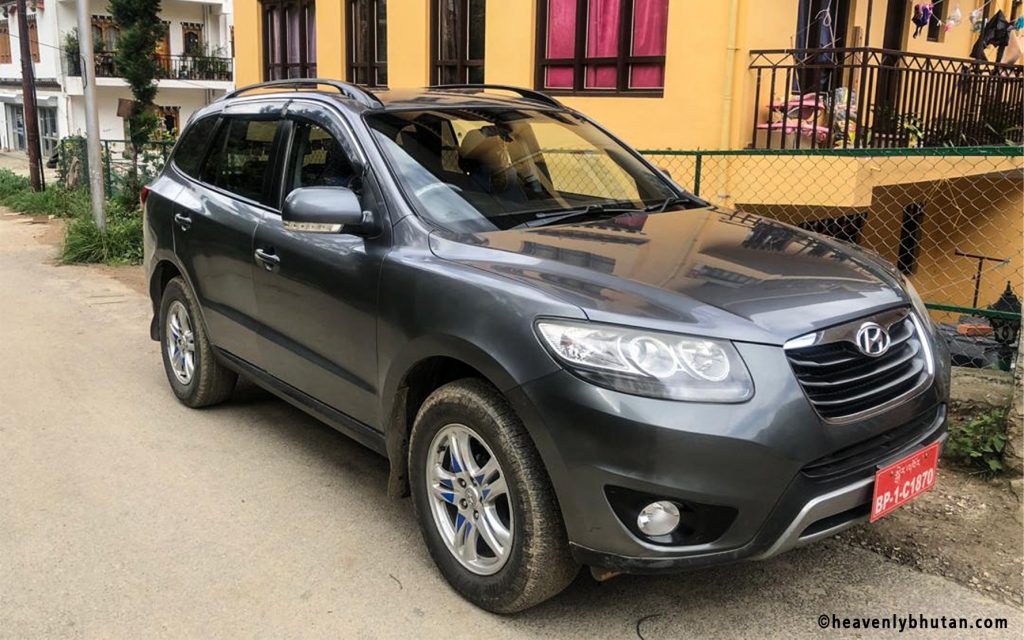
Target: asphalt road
(124, 514)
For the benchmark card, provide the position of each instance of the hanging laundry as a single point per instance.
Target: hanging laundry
(1019, 25)
(996, 33)
(1013, 51)
(954, 19)
(977, 19)
(922, 16)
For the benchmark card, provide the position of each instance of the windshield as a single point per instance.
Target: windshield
(487, 169)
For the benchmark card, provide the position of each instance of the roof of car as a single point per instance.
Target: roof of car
(400, 99)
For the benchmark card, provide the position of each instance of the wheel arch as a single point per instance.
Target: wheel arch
(165, 268)
(425, 365)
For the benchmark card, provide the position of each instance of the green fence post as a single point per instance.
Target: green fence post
(106, 166)
(696, 174)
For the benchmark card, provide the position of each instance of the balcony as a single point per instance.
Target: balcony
(203, 71)
(872, 98)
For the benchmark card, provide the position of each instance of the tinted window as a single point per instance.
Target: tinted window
(193, 145)
(317, 159)
(240, 157)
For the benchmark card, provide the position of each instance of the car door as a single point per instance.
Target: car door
(316, 293)
(215, 218)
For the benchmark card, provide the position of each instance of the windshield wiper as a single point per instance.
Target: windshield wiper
(552, 217)
(661, 206)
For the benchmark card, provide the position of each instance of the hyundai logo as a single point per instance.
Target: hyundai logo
(872, 339)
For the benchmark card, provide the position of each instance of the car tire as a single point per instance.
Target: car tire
(536, 564)
(193, 372)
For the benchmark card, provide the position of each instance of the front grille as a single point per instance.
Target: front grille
(842, 383)
(870, 452)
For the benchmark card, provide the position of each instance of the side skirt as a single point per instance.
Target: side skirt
(358, 431)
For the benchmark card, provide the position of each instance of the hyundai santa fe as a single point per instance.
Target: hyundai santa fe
(567, 359)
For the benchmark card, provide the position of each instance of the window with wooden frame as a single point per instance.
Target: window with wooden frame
(457, 41)
(171, 118)
(601, 47)
(936, 24)
(105, 34)
(366, 24)
(192, 38)
(289, 39)
(5, 42)
(33, 37)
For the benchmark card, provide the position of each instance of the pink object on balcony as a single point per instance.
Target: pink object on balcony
(789, 126)
(806, 100)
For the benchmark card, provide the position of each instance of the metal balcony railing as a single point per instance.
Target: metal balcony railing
(172, 67)
(864, 97)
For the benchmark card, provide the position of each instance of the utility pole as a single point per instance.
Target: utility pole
(28, 92)
(92, 118)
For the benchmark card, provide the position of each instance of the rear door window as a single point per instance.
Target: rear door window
(240, 159)
(193, 146)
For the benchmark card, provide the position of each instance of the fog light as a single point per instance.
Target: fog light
(658, 518)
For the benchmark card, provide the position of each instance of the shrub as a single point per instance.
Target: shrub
(11, 183)
(119, 243)
(979, 443)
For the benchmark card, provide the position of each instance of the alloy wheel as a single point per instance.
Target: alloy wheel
(180, 342)
(469, 499)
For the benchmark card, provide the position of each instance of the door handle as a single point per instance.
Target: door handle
(182, 221)
(269, 260)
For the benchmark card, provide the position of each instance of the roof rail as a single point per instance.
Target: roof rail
(529, 94)
(358, 94)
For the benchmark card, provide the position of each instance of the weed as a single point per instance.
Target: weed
(978, 443)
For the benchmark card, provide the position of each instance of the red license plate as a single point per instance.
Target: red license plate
(904, 480)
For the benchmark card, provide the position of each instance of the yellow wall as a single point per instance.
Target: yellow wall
(979, 214)
(698, 110)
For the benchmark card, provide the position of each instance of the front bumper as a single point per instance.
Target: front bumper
(749, 458)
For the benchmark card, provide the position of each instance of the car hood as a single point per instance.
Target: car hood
(711, 271)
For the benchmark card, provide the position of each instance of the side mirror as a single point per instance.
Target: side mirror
(324, 210)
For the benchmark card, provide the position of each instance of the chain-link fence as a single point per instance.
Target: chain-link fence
(950, 219)
(72, 162)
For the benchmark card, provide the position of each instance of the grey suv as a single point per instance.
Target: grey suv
(567, 359)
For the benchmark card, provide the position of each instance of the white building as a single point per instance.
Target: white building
(196, 56)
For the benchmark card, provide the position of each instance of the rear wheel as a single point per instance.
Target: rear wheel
(484, 502)
(193, 372)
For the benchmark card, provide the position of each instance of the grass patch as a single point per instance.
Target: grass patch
(119, 243)
(52, 201)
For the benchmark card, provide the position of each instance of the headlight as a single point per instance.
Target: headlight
(917, 303)
(649, 363)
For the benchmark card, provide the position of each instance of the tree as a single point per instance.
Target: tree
(138, 22)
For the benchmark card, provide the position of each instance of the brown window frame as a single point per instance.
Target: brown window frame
(305, 67)
(196, 29)
(33, 36)
(936, 29)
(461, 62)
(580, 61)
(5, 42)
(371, 67)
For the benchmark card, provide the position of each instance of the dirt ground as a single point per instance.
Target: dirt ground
(968, 529)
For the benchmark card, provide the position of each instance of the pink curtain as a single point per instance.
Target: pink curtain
(650, 26)
(561, 41)
(602, 41)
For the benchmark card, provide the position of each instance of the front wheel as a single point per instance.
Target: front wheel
(484, 502)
